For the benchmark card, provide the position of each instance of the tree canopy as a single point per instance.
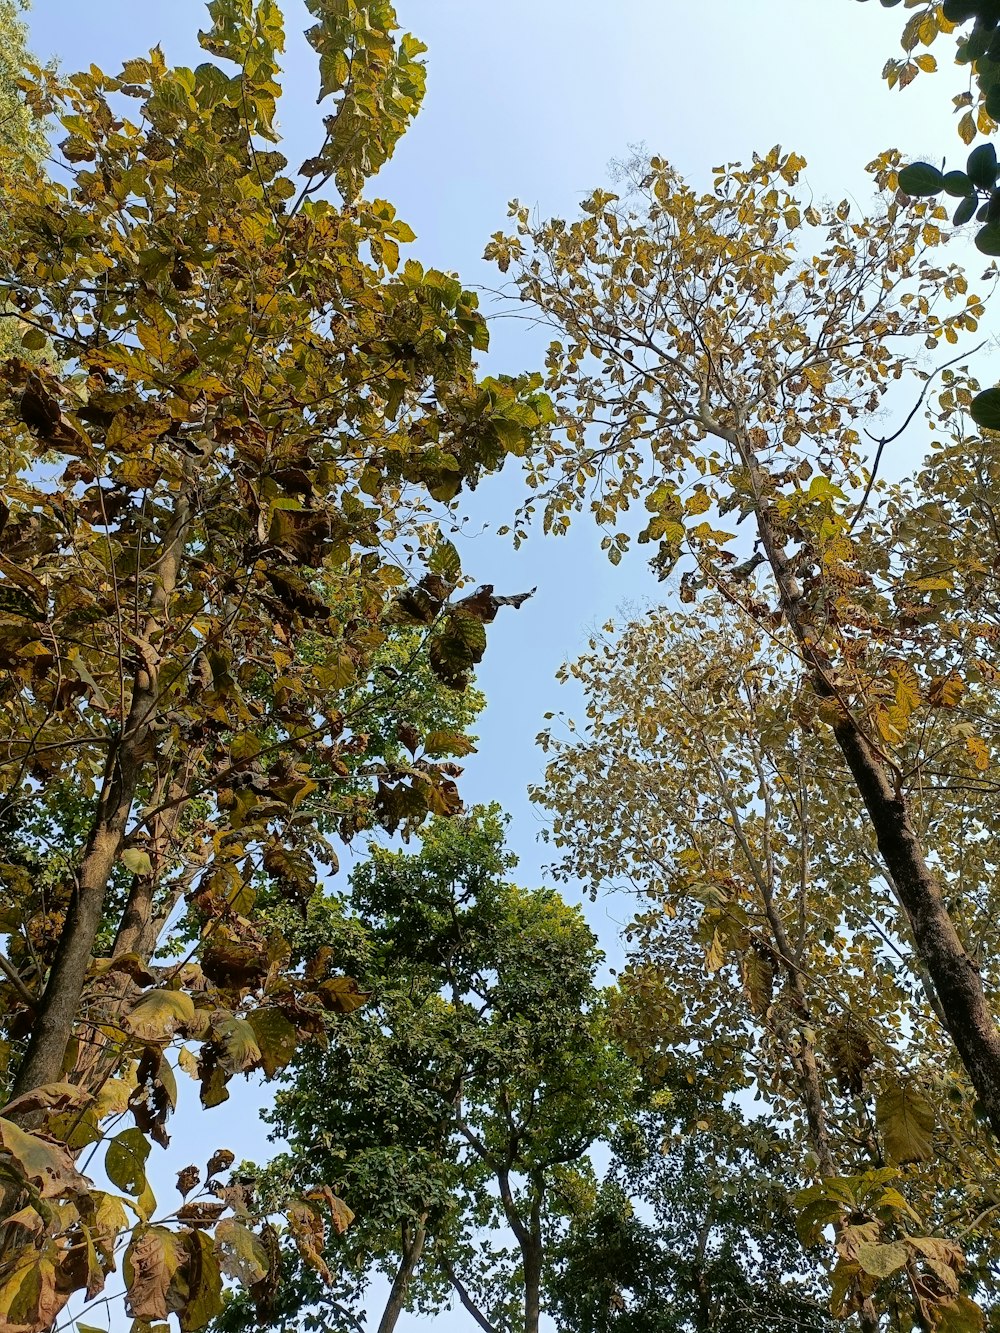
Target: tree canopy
(239, 425)
(222, 585)
(457, 1106)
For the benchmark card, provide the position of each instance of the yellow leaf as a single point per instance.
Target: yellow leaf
(714, 955)
(977, 748)
(906, 1122)
(926, 62)
(946, 691)
(159, 1014)
(967, 128)
(927, 31)
(155, 336)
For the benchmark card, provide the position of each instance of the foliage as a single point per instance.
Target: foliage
(767, 957)
(715, 356)
(230, 627)
(454, 1110)
(691, 1230)
(978, 49)
(20, 132)
(975, 187)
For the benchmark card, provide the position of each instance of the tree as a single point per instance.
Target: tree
(976, 187)
(456, 1109)
(691, 1230)
(766, 957)
(20, 132)
(716, 355)
(219, 567)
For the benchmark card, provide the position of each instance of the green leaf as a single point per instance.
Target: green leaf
(125, 1162)
(965, 210)
(906, 1122)
(988, 240)
(985, 409)
(137, 861)
(920, 179)
(958, 184)
(981, 167)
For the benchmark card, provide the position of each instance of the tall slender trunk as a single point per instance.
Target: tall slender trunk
(60, 1004)
(412, 1250)
(969, 1019)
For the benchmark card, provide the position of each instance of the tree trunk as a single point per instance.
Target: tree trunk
(59, 1008)
(413, 1248)
(968, 1017)
(531, 1257)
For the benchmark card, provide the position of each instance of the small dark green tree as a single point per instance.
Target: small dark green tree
(691, 1232)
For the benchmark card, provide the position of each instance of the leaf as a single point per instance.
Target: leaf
(188, 1061)
(187, 1178)
(125, 1161)
(920, 179)
(240, 1051)
(340, 1214)
(136, 860)
(979, 751)
(906, 1122)
(946, 691)
(342, 994)
(47, 1164)
(981, 167)
(715, 955)
(444, 560)
(965, 211)
(988, 239)
(155, 336)
(154, 1273)
(276, 1037)
(985, 409)
(439, 743)
(160, 1014)
(221, 1160)
(881, 1261)
(201, 1213)
(50, 1097)
(29, 1299)
(241, 1253)
(456, 646)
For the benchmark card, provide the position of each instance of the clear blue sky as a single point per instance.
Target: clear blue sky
(533, 98)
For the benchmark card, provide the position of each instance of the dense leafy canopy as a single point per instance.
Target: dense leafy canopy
(234, 634)
(230, 629)
(456, 1108)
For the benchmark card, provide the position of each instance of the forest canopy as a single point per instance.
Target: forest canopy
(239, 643)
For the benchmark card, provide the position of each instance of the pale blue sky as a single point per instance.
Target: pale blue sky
(533, 98)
